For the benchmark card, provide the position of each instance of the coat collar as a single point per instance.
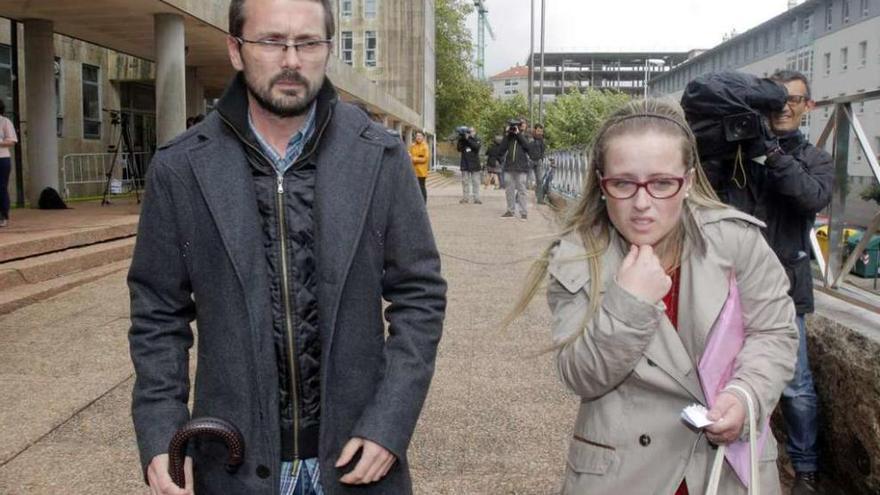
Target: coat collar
(703, 291)
(349, 159)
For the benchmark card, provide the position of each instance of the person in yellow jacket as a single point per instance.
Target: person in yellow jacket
(420, 156)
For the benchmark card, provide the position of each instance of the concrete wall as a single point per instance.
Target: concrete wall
(114, 67)
(844, 348)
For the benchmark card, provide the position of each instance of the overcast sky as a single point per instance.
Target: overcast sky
(617, 25)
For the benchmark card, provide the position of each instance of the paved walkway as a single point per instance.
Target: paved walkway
(496, 420)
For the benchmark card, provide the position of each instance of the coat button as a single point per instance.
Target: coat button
(263, 472)
(645, 440)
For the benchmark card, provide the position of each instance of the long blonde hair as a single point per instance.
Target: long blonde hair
(588, 217)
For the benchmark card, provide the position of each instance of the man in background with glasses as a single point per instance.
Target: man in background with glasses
(794, 183)
(282, 222)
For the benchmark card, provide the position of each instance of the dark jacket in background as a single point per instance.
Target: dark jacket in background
(494, 158)
(785, 193)
(518, 147)
(469, 147)
(538, 149)
(201, 224)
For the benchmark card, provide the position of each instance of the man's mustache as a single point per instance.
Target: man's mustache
(290, 76)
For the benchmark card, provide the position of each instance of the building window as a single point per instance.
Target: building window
(829, 17)
(844, 58)
(6, 77)
(59, 98)
(807, 23)
(347, 48)
(779, 37)
(91, 99)
(844, 11)
(861, 107)
(755, 47)
(370, 9)
(766, 41)
(827, 64)
(864, 8)
(346, 8)
(863, 53)
(370, 48)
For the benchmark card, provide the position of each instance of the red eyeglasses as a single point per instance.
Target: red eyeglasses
(658, 188)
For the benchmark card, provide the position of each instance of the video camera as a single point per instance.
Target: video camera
(462, 130)
(726, 111)
(513, 125)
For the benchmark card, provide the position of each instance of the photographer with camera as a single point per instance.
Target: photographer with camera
(517, 163)
(785, 189)
(469, 147)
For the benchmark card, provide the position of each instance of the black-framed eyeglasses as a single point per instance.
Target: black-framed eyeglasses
(276, 48)
(796, 99)
(658, 188)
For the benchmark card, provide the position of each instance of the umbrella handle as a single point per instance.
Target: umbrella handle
(206, 426)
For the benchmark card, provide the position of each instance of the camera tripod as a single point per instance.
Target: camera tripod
(130, 167)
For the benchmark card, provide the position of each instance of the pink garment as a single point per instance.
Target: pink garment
(7, 131)
(725, 341)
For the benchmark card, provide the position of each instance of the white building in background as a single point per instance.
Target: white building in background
(514, 81)
(835, 43)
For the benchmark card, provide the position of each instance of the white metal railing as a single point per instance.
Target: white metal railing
(86, 174)
(569, 171)
(841, 122)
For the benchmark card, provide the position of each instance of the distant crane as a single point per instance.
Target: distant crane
(482, 26)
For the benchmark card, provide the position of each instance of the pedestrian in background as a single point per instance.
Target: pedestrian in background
(517, 146)
(421, 157)
(638, 277)
(8, 138)
(494, 158)
(469, 147)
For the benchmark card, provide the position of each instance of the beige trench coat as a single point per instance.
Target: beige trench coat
(635, 373)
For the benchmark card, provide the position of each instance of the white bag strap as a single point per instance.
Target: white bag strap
(718, 464)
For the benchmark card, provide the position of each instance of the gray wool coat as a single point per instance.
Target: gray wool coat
(200, 255)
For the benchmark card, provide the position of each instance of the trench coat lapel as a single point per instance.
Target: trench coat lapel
(223, 175)
(348, 166)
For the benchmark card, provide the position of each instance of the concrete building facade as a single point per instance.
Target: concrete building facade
(622, 71)
(514, 81)
(835, 43)
(160, 61)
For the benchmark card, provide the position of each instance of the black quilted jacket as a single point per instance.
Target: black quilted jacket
(287, 215)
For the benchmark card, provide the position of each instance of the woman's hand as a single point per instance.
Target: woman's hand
(642, 275)
(728, 415)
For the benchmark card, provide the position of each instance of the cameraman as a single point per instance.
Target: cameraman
(518, 146)
(793, 184)
(469, 146)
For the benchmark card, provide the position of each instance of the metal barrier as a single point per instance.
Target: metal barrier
(569, 171)
(840, 124)
(85, 174)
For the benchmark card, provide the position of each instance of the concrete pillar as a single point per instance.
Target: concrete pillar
(195, 93)
(407, 135)
(170, 76)
(42, 152)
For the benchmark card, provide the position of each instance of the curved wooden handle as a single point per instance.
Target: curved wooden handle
(208, 426)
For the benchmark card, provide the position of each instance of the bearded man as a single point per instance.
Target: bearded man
(281, 223)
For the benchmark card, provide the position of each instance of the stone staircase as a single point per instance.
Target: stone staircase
(41, 255)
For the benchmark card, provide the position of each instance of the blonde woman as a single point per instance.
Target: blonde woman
(637, 278)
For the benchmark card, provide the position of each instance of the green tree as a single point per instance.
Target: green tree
(871, 193)
(572, 119)
(460, 96)
(494, 115)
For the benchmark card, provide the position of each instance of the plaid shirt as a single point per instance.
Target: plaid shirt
(301, 478)
(294, 146)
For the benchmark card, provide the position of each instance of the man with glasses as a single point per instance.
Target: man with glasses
(282, 222)
(786, 191)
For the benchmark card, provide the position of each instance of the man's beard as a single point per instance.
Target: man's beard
(288, 106)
